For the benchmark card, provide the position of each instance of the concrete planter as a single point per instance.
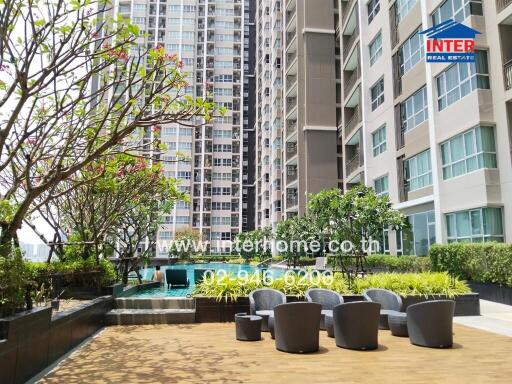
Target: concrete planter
(210, 310)
(492, 292)
(34, 339)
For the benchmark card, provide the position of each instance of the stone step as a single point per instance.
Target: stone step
(155, 303)
(150, 316)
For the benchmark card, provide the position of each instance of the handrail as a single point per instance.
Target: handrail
(264, 262)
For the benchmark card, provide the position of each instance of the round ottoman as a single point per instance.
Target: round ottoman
(398, 324)
(329, 325)
(248, 327)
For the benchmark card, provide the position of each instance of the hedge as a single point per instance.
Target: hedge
(82, 273)
(399, 263)
(484, 263)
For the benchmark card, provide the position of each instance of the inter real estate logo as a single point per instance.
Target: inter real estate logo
(450, 42)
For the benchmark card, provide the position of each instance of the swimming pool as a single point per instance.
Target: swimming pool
(232, 269)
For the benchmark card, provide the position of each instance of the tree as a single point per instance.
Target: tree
(257, 244)
(91, 213)
(133, 237)
(185, 243)
(75, 84)
(357, 217)
(296, 238)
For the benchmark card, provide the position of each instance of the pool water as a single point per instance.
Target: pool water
(231, 269)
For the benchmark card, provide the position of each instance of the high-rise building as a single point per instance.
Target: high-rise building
(435, 137)
(296, 142)
(212, 39)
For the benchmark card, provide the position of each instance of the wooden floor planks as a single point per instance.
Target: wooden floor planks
(209, 353)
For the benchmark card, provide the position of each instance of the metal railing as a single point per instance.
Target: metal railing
(292, 201)
(354, 120)
(346, 11)
(502, 4)
(349, 43)
(507, 73)
(349, 83)
(354, 163)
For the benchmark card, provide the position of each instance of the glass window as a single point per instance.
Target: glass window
(475, 226)
(377, 92)
(379, 141)
(382, 185)
(418, 171)
(414, 110)
(419, 236)
(373, 9)
(469, 151)
(411, 52)
(461, 79)
(403, 7)
(375, 48)
(457, 10)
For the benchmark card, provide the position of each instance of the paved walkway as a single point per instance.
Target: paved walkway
(496, 318)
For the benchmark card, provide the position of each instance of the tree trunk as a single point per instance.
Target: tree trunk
(126, 271)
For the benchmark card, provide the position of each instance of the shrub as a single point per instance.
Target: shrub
(399, 263)
(425, 284)
(485, 263)
(13, 283)
(409, 284)
(82, 273)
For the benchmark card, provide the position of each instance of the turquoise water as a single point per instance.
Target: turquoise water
(231, 269)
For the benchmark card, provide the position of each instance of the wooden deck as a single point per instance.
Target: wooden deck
(209, 353)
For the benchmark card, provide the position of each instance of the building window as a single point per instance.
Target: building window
(403, 7)
(165, 235)
(375, 48)
(418, 171)
(419, 236)
(469, 151)
(379, 141)
(377, 92)
(373, 9)
(384, 241)
(457, 10)
(475, 226)
(411, 52)
(382, 185)
(461, 79)
(414, 110)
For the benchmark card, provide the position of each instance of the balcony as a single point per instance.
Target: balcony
(507, 71)
(350, 80)
(291, 102)
(291, 128)
(346, 10)
(354, 162)
(291, 173)
(292, 200)
(354, 120)
(291, 150)
(349, 41)
(502, 4)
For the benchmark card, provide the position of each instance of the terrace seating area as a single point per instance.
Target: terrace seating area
(296, 326)
(210, 353)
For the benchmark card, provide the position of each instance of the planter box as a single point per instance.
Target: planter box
(465, 305)
(209, 310)
(35, 339)
(492, 292)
